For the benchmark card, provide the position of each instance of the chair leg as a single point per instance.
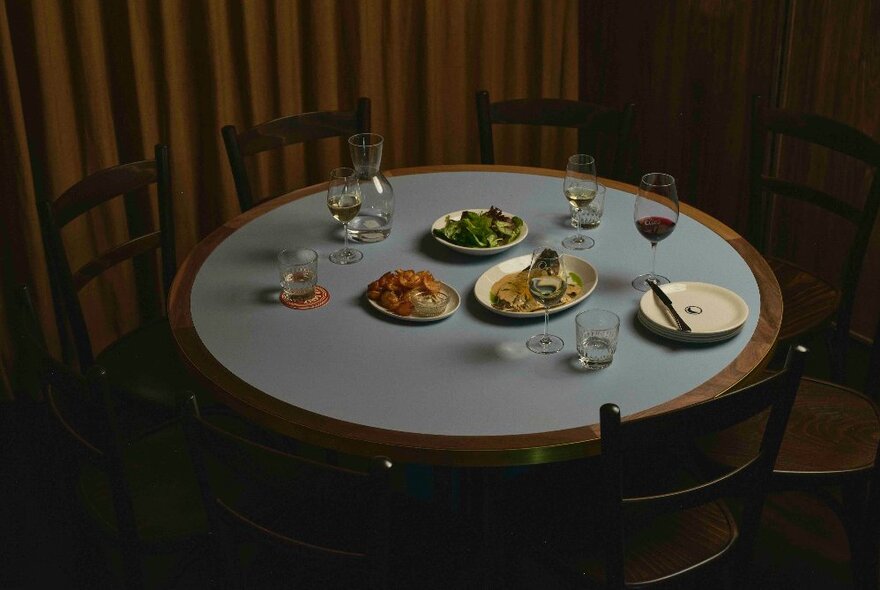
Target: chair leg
(837, 346)
(479, 490)
(861, 546)
(871, 564)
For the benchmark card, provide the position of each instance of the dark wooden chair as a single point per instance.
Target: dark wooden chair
(810, 303)
(602, 131)
(140, 497)
(676, 530)
(284, 131)
(143, 364)
(830, 447)
(306, 521)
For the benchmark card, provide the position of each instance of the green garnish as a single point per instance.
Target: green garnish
(481, 230)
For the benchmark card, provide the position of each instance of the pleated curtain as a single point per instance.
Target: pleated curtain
(87, 84)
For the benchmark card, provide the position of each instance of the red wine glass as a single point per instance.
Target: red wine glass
(655, 215)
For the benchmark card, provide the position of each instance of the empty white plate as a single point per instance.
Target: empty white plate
(712, 312)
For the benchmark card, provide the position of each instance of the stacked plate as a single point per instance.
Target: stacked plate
(712, 312)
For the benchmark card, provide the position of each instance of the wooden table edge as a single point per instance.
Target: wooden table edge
(500, 450)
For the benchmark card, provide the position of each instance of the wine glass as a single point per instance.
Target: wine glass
(580, 187)
(344, 202)
(547, 283)
(655, 215)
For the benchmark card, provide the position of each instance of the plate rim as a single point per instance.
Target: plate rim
(415, 318)
(698, 336)
(680, 337)
(538, 313)
(718, 288)
(440, 222)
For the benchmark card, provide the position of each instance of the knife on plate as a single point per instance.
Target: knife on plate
(663, 297)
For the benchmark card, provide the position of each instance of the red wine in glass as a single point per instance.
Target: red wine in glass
(655, 216)
(655, 228)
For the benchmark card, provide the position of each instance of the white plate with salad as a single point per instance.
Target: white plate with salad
(479, 232)
(510, 277)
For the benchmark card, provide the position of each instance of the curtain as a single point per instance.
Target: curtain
(88, 84)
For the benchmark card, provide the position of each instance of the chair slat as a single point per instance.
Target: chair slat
(103, 186)
(597, 125)
(823, 131)
(813, 196)
(297, 129)
(114, 256)
(283, 131)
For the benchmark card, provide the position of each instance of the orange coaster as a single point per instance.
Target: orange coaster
(321, 297)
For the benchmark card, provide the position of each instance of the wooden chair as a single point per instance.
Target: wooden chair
(285, 131)
(677, 532)
(139, 495)
(143, 363)
(830, 445)
(809, 302)
(602, 131)
(317, 524)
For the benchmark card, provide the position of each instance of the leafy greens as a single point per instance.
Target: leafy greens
(481, 230)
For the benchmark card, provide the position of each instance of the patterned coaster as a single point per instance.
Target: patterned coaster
(321, 297)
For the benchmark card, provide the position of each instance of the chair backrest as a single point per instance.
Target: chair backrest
(84, 426)
(323, 518)
(131, 180)
(771, 124)
(622, 440)
(284, 131)
(602, 131)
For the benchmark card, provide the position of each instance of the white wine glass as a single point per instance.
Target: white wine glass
(547, 283)
(579, 187)
(655, 216)
(344, 201)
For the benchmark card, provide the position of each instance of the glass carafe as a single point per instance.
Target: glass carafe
(373, 221)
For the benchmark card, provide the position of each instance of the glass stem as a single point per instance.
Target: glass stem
(345, 236)
(546, 338)
(654, 258)
(577, 225)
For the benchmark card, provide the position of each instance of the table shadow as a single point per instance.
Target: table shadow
(429, 246)
(268, 296)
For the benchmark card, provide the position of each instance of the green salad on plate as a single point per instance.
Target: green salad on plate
(486, 229)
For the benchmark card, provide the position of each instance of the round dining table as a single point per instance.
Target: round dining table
(464, 390)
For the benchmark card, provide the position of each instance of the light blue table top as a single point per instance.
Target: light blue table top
(470, 374)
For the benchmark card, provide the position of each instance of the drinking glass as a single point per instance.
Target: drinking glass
(344, 202)
(597, 331)
(580, 187)
(547, 283)
(298, 273)
(655, 215)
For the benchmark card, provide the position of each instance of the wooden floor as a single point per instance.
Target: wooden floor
(802, 545)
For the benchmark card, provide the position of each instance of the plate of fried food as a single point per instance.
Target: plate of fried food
(413, 296)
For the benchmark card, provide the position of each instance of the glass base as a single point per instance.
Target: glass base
(369, 227)
(595, 365)
(640, 283)
(346, 256)
(545, 343)
(580, 242)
